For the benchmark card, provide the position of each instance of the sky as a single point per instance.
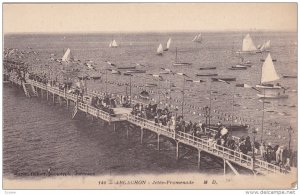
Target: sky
(143, 17)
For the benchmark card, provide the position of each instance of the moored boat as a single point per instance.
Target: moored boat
(224, 79)
(206, 75)
(269, 74)
(208, 68)
(176, 63)
(160, 50)
(248, 46)
(135, 71)
(168, 44)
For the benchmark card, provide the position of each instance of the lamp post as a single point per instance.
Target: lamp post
(254, 132)
(263, 116)
(130, 75)
(290, 130)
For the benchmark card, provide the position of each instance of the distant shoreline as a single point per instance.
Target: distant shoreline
(147, 32)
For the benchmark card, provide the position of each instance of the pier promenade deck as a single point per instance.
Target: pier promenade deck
(230, 157)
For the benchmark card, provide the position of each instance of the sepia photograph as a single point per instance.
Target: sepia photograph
(150, 96)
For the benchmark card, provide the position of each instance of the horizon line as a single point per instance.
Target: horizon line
(152, 31)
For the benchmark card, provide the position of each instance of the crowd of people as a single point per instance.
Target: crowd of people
(277, 155)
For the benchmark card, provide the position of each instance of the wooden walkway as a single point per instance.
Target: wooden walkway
(230, 157)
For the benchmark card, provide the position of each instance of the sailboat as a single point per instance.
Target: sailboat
(197, 38)
(266, 46)
(269, 74)
(67, 56)
(168, 44)
(113, 44)
(248, 46)
(176, 63)
(160, 50)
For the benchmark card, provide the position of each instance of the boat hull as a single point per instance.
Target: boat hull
(182, 64)
(206, 75)
(224, 79)
(135, 71)
(263, 96)
(125, 68)
(208, 68)
(237, 68)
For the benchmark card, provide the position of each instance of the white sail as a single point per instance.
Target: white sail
(268, 71)
(160, 49)
(114, 44)
(267, 45)
(66, 57)
(248, 44)
(195, 38)
(169, 43)
(199, 38)
(110, 44)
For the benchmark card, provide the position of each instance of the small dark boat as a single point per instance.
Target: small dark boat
(273, 60)
(223, 79)
(182, 64)
(136, 71)
(95, 77)
(144, 95)
(208, 68)
(176, 63)
(238, 67)
(206, 75)
(289, 76)
(151, 85)
(126, 67)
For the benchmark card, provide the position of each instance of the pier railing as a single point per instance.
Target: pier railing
(196, 142)
(199, 143)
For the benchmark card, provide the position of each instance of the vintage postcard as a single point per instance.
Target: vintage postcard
(150, 96)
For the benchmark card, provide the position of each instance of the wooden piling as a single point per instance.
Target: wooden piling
(53, 99)
(177, 150)
(127, 132)
(224, 166)
(199, 159)
(158, 142)
(142, 135)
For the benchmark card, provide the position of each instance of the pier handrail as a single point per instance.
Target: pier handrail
(197, 142)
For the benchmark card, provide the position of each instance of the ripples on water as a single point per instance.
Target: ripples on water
(41, 136)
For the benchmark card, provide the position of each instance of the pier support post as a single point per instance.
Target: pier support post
(177, 150)
(47, 95)
(127, 132)
(67, 103)
(158, 142)
(53, 99)
(42, 93)
(199, 159)
(224, 166)
(60, 100)
(114, 127)
(142, 135)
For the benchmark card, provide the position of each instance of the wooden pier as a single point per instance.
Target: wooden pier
(230, 157)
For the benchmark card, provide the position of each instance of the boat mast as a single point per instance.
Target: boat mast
(263, 116)
(158, 92)
(209, 105)
(232, 105)
(183, 88)
(176, 56)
